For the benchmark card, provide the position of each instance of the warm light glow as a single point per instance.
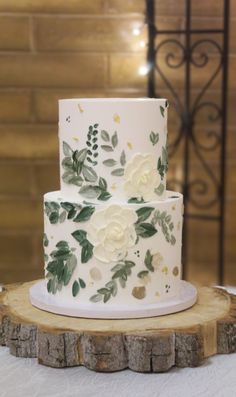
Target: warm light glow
(142, 43)
(136, 31)
(143, 70)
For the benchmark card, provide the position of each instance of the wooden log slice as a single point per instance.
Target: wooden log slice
(153, 344)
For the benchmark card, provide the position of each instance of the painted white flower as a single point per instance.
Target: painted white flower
(112, 232)
(141, 177)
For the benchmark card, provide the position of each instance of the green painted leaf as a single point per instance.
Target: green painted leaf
(144, 213)
(118, 172)
(129, 263)
(114, 139)
(123, 158)
(107, 297)
(160, 189)
(117, 267)
(145, 230)
(102, 183)
(54, 217)
(109, 162)
(148, 261)
(85, 214)
(67, 149)
(67, 206)
(107, 148)
(80, 156)
(142, 274)
(62, 217)
(103, 291)
(82, 283)
(105, 136)
(49, 285)
(75, 288)
(90, 191)
(118, 273)
(45, 240)
(154, 138)
(104, 196)
(80, 235)
(136, 200)
(89, 174)
(86, 252)
(96, 298)
(96, 125)
(67, 164)
(172, 240)
(112, 286)
(62, 244)
(71, 213)
(162, 110)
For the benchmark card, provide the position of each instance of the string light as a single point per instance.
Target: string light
(136, 31)
(142, 43)
(143, 70)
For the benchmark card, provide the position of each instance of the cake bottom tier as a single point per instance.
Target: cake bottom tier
(112, 254)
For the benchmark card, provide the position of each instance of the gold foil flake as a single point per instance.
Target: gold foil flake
(80, 108)
(116, 118)
(165, 270)
(139, 292)
(113, 187)
(130, 146)
(173, 207)
(157, 294)
(76, 138)
(175, 271)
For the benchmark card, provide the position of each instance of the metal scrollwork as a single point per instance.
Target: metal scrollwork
(206, 191)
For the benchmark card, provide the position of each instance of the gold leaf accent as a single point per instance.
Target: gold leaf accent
(130, 146)
(139, 292)
(80, 108)
(157, 294)
(175, 271)
(165, 270)
(116, 118)
(173, 207)
(76, 138)
(113, 187)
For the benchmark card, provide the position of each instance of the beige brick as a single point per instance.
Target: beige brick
(46, 101)
(90, 34)
(15, 179)
(21, 214)
(124, 72)
(46, 178)
(14, 33)
(52, 70)
(168, 7)
(28, 141)
(126, 6)
(52, 6)
(15, 105)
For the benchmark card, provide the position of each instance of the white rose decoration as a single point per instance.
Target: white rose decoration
(112, 232)
(141, 177)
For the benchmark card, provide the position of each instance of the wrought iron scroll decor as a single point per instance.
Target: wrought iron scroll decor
(189, 53)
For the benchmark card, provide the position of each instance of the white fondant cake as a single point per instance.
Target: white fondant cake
(113, 234)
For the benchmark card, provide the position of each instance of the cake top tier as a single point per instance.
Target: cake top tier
(113, 149)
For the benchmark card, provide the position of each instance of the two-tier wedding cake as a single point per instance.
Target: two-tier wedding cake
(113, 233)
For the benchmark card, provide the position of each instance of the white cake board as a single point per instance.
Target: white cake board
(40, 298)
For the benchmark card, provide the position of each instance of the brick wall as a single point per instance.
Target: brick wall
(55, 49)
